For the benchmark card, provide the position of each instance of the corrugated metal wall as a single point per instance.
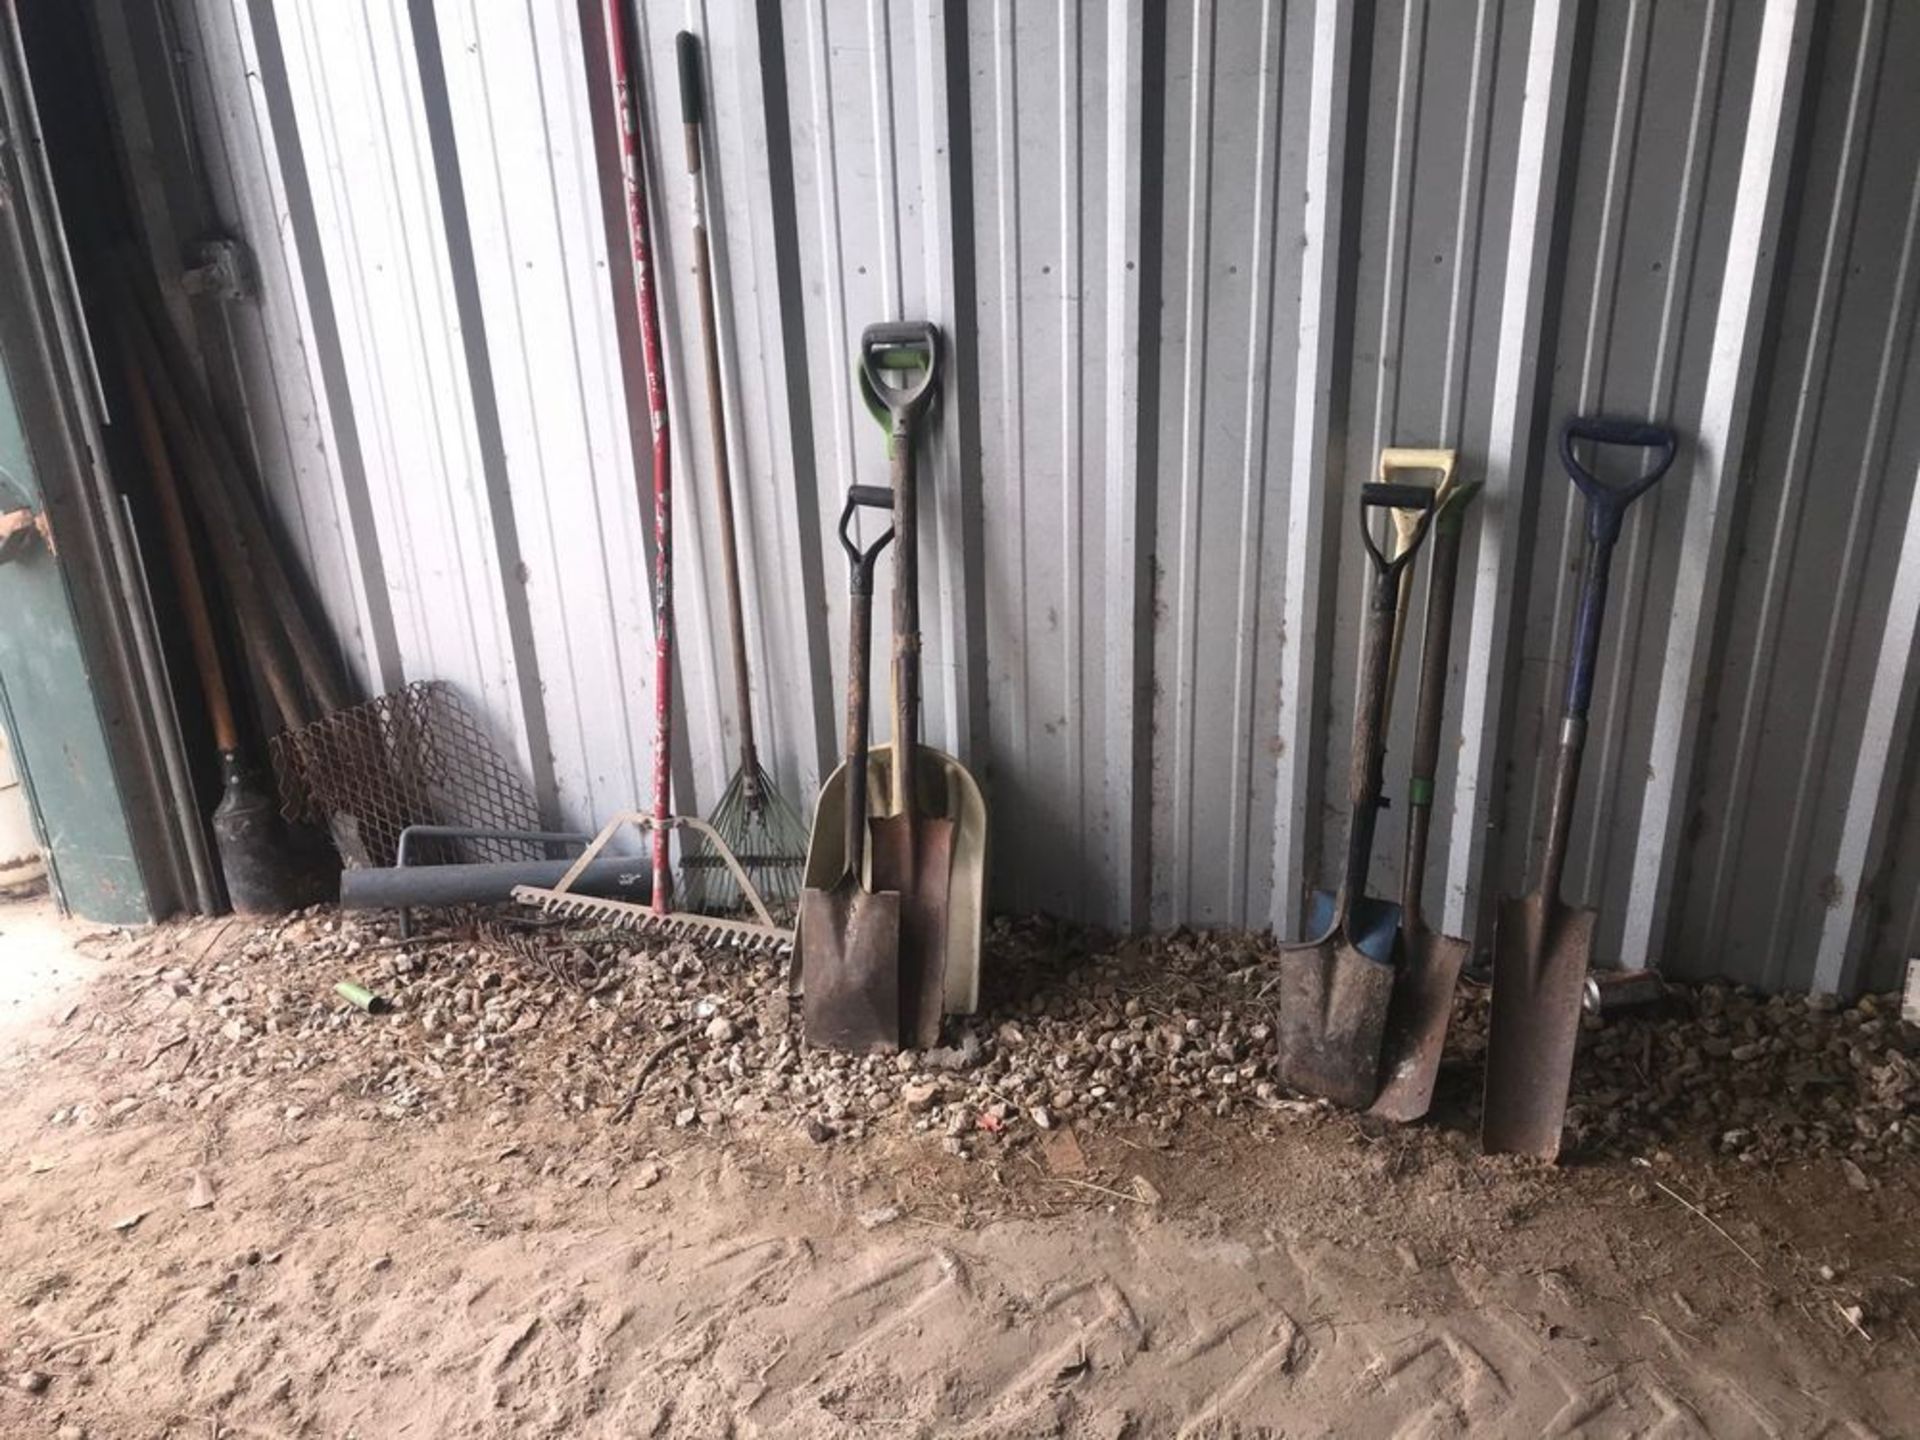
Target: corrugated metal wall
(1197, 263)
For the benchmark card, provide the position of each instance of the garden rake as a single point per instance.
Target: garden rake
(764, 832)
(657, 917)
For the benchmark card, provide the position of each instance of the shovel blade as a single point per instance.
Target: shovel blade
(850, 958)
(1417, 1023)
(1371, 924)
(1333, 1013)
(915, 859)
(1540, 954)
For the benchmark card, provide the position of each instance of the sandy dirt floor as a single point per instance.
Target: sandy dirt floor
(279, 1252)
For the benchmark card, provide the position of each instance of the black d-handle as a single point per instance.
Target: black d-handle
(1388, 495)
(907, 350)
(687, 48)
(873, 497)
(1608, 500)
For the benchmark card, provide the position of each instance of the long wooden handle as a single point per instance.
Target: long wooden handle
(180, 556)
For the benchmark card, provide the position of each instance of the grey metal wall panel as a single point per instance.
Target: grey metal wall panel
(1196, 263)
(1821, 532)
(1233, 200)
(1654, 170)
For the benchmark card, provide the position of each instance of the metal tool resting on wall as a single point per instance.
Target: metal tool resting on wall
(762, 829)
(849, 945)
(1541, 945)
(1429, 963)
(1333, 995)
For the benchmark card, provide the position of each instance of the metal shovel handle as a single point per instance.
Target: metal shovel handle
(1368, 762)
(1607, 505)
(860, 565)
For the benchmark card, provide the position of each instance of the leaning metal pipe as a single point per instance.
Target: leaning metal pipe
(622, 877)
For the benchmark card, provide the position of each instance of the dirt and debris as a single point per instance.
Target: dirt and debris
(1079, 1031)
(574, 1185)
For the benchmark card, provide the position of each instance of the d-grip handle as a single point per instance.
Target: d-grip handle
(1608, 500)
(861, 561)
(1387, 495)
(899, 348)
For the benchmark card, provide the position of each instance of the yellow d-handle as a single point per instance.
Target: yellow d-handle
(1405, 523)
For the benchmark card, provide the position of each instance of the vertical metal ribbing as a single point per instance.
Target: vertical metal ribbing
(1513, 443)
(1310, 474)
(1746, 301)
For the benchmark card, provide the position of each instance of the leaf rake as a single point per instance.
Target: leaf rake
(759, 934)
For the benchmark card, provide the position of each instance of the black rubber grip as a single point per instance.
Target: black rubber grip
(1385, 494)
(1606, 430)
(877, 497)
(688, 46)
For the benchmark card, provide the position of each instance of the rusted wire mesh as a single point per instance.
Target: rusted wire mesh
(411, 757)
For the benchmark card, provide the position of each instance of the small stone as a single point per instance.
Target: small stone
(686, 1116)
(920, 1096)
(34, 1382)
(1041, 1116)
(818, 1130)
(381, 1262)
(1856, 1177)
(720, 1030)
(646, 1177)
(878, 1215)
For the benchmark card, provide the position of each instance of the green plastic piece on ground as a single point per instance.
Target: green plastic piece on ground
(361, 998)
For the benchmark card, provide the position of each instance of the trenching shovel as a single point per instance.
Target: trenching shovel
(1333, 995)
(849, 940)
(912, 849)
(1541, 945)
(1429, 962)
(1374, 924)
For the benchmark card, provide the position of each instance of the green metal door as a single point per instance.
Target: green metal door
(46, 699)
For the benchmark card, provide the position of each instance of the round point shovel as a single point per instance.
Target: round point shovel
(1541, 946)
(1374, 923)
(1429, 962)
(1333, 996)
(849, 939)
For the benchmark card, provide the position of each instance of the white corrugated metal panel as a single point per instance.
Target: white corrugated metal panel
(1196, 265)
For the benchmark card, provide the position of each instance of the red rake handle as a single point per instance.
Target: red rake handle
(620, 33)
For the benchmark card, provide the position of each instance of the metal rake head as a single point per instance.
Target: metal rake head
(766, 835)
(744, 935)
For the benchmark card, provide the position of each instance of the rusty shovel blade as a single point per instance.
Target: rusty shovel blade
(1540, 954)
(914, 857)
(1333, 1015)
(849, 953)
(1417, 1022)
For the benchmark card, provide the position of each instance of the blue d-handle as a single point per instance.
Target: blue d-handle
(1607, 504)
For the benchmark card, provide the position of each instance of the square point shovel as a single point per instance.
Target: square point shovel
(1541, 946)
(1429, 962)
(1374, 924)
(1333, 996)
(849, 940)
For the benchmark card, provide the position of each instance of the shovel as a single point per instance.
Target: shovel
(1333, 995)
(849, 940)
(912, 848)
(1541, 945)
(1429, 962)
(1373, 923)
